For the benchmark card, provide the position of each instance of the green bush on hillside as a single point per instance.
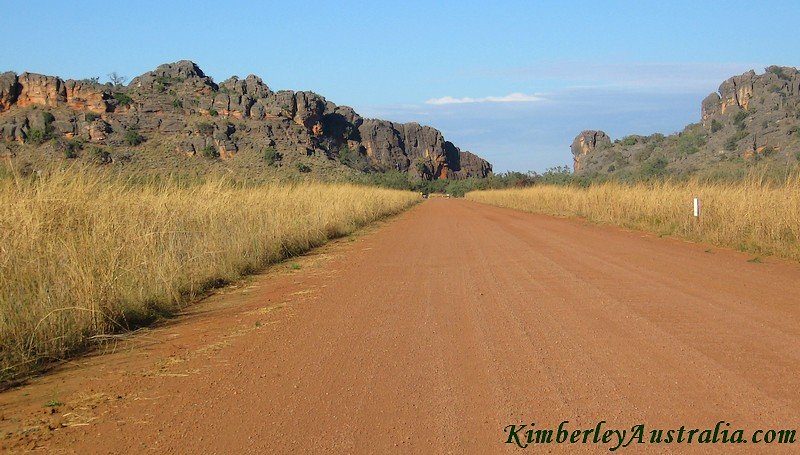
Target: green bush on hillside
(272, 156)
(133, 138)
(123, 99)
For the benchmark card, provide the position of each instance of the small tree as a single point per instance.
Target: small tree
(271, 156)
(117, 79)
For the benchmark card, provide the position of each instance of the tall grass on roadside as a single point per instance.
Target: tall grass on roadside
(83, 254)
(752, 215)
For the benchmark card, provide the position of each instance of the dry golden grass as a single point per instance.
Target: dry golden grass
(83, 254)
(751, 216)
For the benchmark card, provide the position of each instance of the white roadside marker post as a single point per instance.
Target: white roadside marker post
(697, 209)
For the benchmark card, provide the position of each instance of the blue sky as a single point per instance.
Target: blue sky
(511, 81)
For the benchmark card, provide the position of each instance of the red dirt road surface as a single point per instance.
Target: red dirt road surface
(433, 332)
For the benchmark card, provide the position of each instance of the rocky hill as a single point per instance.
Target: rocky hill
(176, 118)
(752, 118)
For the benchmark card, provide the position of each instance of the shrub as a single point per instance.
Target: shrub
(123, 99)
(655, 168)
(644, 155)
(272, 156)
(91, 116)
(558, 175)
(48, 118)
(732, 142)
(37, 136)
(177, 104)
(213, 112)
(629, 140)
(738, 119)
(422, 169)
(353, 159)
(345, 155)
(715, 126)
(303, 168)
(133, 138)
(73, 145)
(100, 156)
(210, 152)
(690, 141)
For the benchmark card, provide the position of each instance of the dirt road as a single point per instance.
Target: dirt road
(433, 332)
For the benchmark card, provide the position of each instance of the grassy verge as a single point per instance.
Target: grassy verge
(751, 215)
(83, 255)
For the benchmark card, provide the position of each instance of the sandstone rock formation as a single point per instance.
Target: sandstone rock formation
(751, 117)
(178, 105)
(585, 143)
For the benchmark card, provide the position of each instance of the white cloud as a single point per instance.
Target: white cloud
(510, 98)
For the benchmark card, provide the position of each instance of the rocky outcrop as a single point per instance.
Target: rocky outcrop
(751, 117)
(420, 150)
(184, 73)
(236, 115)
(36, 89)
(471, 165)
(585, 144)
(87, 96)
(8, 90)
(29, 89)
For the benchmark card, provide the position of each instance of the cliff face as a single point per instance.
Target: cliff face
(178, 105)
(585, 144)
(752, 117)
